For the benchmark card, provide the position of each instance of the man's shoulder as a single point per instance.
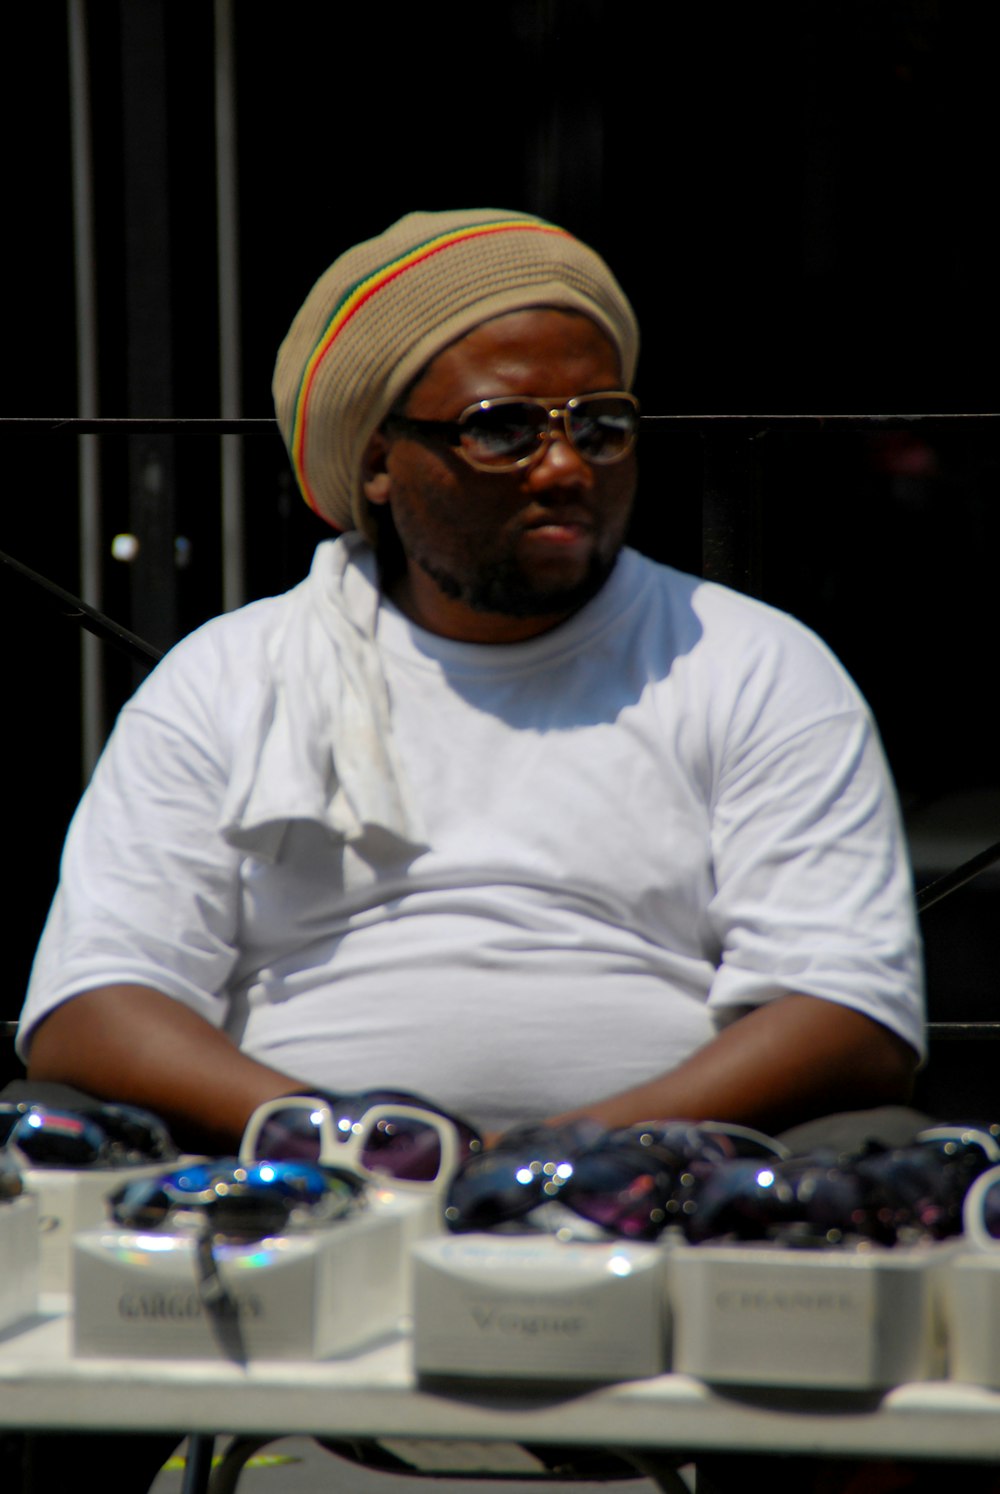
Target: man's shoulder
(709, 608)
(246, 628)
(728, 645)
(231, 646)
(219, 671)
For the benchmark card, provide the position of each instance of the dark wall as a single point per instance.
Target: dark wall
(796, 196)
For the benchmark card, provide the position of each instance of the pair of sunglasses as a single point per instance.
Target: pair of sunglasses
(499, 435)
(379, 1135)
(632, 1182)
(981, 1211)
(225, 1201)
(888, 1196)
(237, 1202)
(112, 1136)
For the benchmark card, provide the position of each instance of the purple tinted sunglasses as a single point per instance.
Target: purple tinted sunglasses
(632, 1182)
(881, 1194)
(378, 1134)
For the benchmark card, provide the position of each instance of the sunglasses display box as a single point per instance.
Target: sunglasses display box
(18, 1259)
(69, 1200)
(309, 1294)
(972, 1312)
(822, 1318)
(534, 1307)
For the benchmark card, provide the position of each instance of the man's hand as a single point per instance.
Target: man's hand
(786, 1062)
(136, 1045)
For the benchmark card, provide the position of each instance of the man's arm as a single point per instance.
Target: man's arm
(782, 1063)
(136, 1045)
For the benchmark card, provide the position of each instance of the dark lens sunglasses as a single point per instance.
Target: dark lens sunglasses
(236, 1201)
(217, 1202)
(632, 1182)
(113, 1136)
(499, 435)
(884, 1195)
(981, 1212)
(378, 1134)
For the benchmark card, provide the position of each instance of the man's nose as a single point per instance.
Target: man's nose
(560, 465)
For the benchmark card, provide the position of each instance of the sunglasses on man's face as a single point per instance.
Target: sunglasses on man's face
(499, 435)
(372, 1134)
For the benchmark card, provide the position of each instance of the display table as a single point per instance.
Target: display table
(374, 1395)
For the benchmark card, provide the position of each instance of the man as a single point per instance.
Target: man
(489, 808)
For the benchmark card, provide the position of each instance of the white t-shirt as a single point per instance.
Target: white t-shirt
(668, 808)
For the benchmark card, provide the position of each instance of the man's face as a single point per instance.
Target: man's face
(496, 557)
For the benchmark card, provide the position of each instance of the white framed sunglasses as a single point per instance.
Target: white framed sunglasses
(390, 1142)
(949, 1139)
(981, 1211)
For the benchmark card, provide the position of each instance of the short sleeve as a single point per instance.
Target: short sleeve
(148, 890)
(813, 886)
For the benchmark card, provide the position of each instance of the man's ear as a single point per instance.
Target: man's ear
(375, 481)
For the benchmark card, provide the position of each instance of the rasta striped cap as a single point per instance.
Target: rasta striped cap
(386, 307)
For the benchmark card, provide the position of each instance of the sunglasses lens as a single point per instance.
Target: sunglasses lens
(51, 1138)
(403, 1148)
(602, 427)
(991, 1211)
(623, 1190)
(491, 1189)
(503, 433)
(293, 1134)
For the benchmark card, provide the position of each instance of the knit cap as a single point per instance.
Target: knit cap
(388, 306)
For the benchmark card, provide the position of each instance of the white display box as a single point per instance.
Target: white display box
(69, 1200)
(18, 1259)
(420, 1213)
(971, 1292)
(308, 1295)
(421, 1217)
(836, 1319)
(538, 1308)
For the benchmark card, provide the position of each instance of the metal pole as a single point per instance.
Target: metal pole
(92, 670)
(151, 331)
(227, 212)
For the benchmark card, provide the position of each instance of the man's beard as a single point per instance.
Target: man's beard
(502, 588)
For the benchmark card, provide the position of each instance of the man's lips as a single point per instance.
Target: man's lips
(565, 525)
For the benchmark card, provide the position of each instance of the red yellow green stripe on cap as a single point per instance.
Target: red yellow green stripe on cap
(361, 292)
